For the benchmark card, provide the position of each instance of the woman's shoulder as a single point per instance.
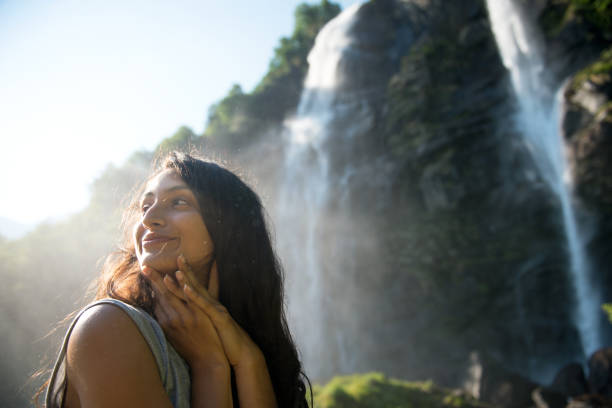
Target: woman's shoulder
(108, 320)
(106, 348)
(103, 322)
(115, 304)
(114, 326)
(104, 333)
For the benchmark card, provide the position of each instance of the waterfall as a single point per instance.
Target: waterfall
(303, 199)
(538, 120)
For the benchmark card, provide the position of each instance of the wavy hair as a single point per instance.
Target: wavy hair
(250, 275)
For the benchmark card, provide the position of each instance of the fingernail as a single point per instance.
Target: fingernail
(179, 275)
(182, 257)
(146, 272)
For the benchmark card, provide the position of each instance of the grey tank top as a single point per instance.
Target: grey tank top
(173, 370)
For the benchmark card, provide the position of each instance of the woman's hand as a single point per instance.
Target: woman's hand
(190, 331)
(195, 338)
(239, 349)
(197, 324)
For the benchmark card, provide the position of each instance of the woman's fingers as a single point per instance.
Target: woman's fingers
(186, 277)
(172, 287)
(204, 299)
(185, 268)
(171, 307)
(173, 299)
(233, 338)
(215, 310)
(163, 286)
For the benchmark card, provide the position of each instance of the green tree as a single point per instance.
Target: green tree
(238, 118)
(183, 139)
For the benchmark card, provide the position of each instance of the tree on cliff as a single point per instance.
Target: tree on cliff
(238, 118)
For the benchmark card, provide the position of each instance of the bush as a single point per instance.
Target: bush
(374, 390)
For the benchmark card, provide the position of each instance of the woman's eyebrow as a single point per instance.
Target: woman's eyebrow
(168, 190)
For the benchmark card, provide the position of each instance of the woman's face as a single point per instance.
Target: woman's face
(171, 224)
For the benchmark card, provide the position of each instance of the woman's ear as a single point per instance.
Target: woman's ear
(213, 281)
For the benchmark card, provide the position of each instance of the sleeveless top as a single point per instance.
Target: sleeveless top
(173, 370)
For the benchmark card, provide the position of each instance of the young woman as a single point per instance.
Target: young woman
(190, 311)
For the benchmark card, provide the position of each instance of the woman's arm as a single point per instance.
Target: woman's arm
(253, 382)
(109, 363)
(252, 377)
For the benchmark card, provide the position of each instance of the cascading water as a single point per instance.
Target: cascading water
(537, 119)
(304, 195)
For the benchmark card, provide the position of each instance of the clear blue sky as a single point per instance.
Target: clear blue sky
(86, 83)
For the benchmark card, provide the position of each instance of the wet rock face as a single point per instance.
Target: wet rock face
(578, 41)
(468, 238)
(587, 126)
(465, 249)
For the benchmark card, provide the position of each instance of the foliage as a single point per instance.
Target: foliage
(183, 139)
(232, 122)
(239, 117)
(374, 390)
(289, 59)
(596, 13)
(598, 72)
(607, 308)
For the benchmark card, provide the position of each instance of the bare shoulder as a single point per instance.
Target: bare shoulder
(104, 324)
(109, 363)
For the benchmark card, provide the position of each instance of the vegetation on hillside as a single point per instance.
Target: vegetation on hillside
(595, 13)
(240, 117)
(599, 72)
(183, 139)
(374, 390)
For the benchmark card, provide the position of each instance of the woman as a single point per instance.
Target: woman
(199, 259)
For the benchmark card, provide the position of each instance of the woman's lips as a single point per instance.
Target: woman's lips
(154, 241)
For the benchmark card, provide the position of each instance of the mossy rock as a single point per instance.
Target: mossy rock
(374, 390)
(598, 72)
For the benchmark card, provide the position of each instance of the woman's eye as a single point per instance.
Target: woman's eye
(180, 201)
(145, 207)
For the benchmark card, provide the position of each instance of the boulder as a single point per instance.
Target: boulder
(600, 372)
(570, 381)
(590, 401)
(506, 389)
(543, 397)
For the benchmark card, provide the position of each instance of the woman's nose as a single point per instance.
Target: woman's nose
(153, 217)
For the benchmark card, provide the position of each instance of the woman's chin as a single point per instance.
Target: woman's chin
(162, 264)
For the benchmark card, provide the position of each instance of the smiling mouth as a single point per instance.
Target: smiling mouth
(156, 242)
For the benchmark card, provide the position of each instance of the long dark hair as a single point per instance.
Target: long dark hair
(250, 275)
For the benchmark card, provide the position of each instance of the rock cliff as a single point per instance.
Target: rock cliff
(465, 248)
